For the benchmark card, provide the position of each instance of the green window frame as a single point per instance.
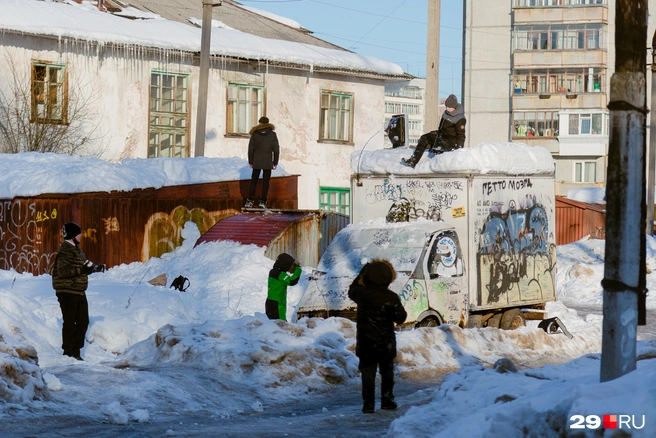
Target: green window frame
(245, 107)
(335, 199)
(169, 115)
(49, 93)
(336, 121)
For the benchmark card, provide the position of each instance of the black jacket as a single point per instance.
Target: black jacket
(378, 309)
(263, 148)
(452, 127)
(68, 273)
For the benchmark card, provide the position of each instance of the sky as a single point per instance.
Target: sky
(207, 362)
(392, 30)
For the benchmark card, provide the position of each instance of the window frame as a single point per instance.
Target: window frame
(536, 121)
(232, 113)
(62, 117)
(175, 116)
(340, 191)
(581, 173)
(325, 114)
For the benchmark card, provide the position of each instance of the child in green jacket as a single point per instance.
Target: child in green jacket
(285, 272)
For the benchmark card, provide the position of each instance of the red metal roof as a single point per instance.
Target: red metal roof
(259, 228)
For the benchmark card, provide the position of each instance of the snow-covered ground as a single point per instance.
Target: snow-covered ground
(207, 362)
(154, 353)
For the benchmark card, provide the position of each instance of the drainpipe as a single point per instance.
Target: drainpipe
(652, 143)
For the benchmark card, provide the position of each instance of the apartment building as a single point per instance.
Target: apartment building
(410, 100)
(538, 72)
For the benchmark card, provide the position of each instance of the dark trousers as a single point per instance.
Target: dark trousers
(427, 141)
(75, 310)
(271, 308)
(367, 368)
(266, 176)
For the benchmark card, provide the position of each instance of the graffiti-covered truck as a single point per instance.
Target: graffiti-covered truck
(472, 250)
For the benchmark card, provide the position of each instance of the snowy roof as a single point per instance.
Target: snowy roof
(89, 25)
(484, 158)
(32, 173)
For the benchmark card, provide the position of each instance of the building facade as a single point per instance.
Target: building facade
(409, 99)
(538, 72)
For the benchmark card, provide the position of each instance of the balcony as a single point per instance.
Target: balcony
(557, 101)
(560, 58)
(560, 14)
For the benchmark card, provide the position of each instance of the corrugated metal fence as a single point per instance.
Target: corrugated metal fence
(121, 227)
(575, 220)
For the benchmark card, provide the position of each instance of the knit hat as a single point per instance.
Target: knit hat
(379, 273)
(70, 230)
(284, 261)
(451, 101)
(263, 120)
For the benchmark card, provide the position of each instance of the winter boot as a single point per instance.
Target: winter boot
(368, 408)
(387, 401)
(262, 203)
(249, 203)
(410, 162)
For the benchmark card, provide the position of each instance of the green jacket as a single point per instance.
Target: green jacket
(67, 273)
(277, 284)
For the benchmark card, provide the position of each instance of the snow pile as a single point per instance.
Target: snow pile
(504, 158)
(481, 402)
(591, 195)
(581, 268)
(84, 24)
(56, 173)
(21, 379)
(270, 15)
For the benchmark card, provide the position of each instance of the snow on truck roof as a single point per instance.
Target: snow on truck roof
(484, 158)
(358, 244)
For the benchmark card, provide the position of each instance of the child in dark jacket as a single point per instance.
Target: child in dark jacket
(285, 272)
(378, 309)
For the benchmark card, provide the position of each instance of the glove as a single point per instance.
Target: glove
(99, 268)
(87, 267)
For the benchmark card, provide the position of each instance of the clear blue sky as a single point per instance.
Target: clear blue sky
(393, 30)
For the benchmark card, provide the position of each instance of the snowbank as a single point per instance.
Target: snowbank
(56, 173)
(504, 158)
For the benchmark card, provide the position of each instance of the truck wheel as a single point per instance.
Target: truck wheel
(475, 321)
(512, 319)
(429, 321)
(494, 321)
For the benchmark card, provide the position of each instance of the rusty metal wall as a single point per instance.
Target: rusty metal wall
(575, 220)
(307, 238)
(121, 227)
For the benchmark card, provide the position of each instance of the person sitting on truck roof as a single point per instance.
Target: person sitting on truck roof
(378, 309)
(449, 136)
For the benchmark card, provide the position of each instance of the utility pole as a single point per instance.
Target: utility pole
(652, 143)
(624, 270)
(431, 111)
(203, 77)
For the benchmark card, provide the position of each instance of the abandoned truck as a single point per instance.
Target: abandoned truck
(472, 250)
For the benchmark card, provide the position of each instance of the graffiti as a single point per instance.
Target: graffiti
(405, 210)
(381, 237)
(90, 234)
(515, 255)
(513, 184)
(444, 200)
(44, 216)
(412, 289)
(111, 225)
(384, 192)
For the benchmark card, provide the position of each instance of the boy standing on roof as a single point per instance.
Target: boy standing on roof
(285, 272)
(263, 155)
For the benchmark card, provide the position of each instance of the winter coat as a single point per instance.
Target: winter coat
(378, 309)
(68, 273)
(452, 127)
(263, 148)
(279, 279)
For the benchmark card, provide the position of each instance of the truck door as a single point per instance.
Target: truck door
(445, 277)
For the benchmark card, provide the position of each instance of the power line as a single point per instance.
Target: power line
(379, 23)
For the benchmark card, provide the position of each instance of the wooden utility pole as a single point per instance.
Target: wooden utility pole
(624, 270)
(651, 173)
(431, 110)
(203, 77)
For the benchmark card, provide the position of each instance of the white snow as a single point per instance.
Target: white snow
(153, 352)
(592, 195)
(84, 23)
(284, 20)
(506, 158)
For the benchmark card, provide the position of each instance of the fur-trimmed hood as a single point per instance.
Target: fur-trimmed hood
(378, 272)
(261, 127)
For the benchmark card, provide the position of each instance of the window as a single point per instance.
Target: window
(392, 108)
(535, 123)
(335, 199)
(586, 124)
(558, 80)
(414, 125)
(169, 115)
(559, 37)
(445, 257)
(49, 93)
(245, 107)
(585, 171)
(336, 116)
